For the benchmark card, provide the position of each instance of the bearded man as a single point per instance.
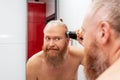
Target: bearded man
(101, 39)
(58, 60)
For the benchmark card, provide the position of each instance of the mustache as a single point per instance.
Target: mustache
(46, 49)
(51, 48)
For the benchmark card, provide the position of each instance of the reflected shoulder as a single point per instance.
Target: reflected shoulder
(35, 58)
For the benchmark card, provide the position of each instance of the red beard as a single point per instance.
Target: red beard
(54, 56)
(95, 61)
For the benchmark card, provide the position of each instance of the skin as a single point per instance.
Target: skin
(38, 68)
(102, 45)
(112, 73)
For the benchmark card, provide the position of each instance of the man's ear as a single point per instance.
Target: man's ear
(68, 40)
(103, 32)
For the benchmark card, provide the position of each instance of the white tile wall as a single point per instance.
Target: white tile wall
(12, 61)
(13, 24)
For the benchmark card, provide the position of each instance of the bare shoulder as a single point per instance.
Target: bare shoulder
(112, 73)
(33, 66)
(35, 59)
(76, 52)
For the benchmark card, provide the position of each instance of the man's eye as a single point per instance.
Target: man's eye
(47, 38)
(57, 38)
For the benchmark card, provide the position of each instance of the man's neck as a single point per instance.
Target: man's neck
(115, 55)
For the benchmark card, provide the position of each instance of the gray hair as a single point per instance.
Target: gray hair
(113, 7)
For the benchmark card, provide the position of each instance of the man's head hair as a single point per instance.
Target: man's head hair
(58, 22)
(113, 9)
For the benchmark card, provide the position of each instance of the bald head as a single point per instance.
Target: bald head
(56, 24)
(55, 29)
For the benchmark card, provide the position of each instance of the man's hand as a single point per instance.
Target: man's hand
(79, 35)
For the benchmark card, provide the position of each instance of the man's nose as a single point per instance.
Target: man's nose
(51, 43)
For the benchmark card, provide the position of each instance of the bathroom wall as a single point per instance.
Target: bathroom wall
(13, 39)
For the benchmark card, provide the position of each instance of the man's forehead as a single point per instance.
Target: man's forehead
(55, 27)
(54, 34)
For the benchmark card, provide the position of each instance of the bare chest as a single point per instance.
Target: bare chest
(62, 73)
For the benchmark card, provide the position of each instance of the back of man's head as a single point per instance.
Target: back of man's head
(113, 11)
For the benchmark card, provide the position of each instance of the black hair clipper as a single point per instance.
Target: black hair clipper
(71, 34)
